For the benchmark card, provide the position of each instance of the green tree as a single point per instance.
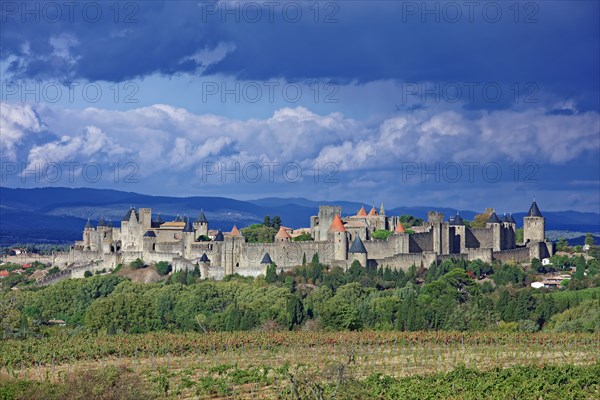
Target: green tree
(411, 275)
(335, 278)
(387, 273)
(11, 316)
(589, 239)
(579, 268)
(477, 315)
(401, 278)
(526, 303)
(271, 273)
(582, 318)
(341, 312)
(295, 311)
(163, 267)
(267, 221)
(544, 310)
(276, 222)
(480, 220)
(182, 277)
(562, 244)
(536, 265)
(465, 286)
(315, 259)
(381, 234)
(519, 235)
(258, 233)
(409, 220)
(304, 237)
(508, 274)
(356, 271)
(129, 309)
(479, 268)
(505, 305)
(380, 312)
(409, 318)
(487, 287)
(137, 264)
(88, 274)
(194, 275)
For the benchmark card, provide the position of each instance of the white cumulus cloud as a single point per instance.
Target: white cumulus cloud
(16, 121)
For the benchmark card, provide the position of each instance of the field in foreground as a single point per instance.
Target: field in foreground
(246, 365)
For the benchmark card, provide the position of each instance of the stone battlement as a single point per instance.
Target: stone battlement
(153, 241)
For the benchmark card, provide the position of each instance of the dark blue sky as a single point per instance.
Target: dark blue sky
(366, 91)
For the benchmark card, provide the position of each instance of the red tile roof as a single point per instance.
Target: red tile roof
(373, 212)
(399, 229)
(4, 273)
(337, 225)
(282, 234)
(361, 212)
(234, 231)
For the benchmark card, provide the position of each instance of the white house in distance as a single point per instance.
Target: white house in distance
(550, 281)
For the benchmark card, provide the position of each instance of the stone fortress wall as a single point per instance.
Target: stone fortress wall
(337, 241)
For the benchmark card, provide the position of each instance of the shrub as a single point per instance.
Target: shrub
(137, 264)
(303, 238)
(487, 287)
(583, 318)
(109, 383)
(382, 234)
(163, 267)
(527, 325)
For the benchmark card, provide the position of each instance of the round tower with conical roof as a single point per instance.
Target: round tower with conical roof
(399, 228)
(533, 225)
(358, 251)
(188, 238)
(456, 234)
(508, 232)
(495, 224)
(204, 262)
(201, 224)
(338, 234)
(88, 232)
(282, 235)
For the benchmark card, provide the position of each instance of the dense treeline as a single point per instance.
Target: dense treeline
(454, 295)
(34, 248)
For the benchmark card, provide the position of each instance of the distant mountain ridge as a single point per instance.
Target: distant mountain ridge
(57, 215)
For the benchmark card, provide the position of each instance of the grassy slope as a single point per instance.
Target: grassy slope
(583, 294)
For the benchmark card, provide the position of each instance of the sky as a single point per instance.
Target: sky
(454, 104)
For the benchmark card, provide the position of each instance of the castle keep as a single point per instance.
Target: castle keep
(338, 241)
